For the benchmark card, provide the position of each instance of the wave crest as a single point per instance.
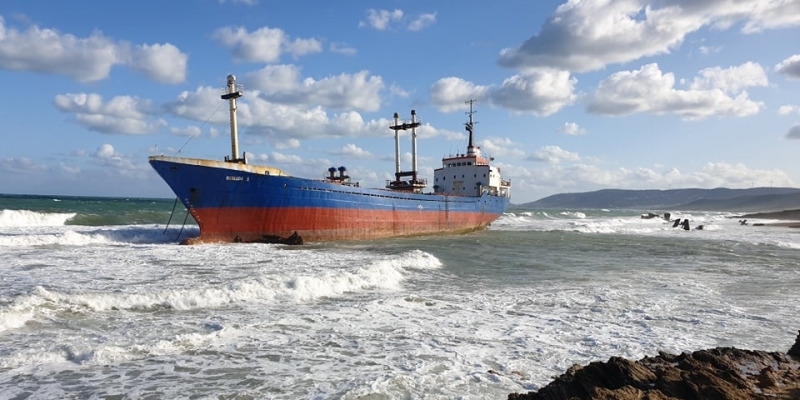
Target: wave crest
(384, 274)
(25, 218)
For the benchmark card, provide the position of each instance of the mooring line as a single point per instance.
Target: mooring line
(182, 226)
(170, 216)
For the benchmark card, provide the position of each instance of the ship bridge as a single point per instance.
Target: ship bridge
(469, 174)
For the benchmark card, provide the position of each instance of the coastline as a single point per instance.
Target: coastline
(788, 218)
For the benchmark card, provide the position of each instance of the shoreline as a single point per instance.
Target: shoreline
(788, 218)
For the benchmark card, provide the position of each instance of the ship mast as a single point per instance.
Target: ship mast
(396, 144)
(414, 125)
(233, 92)
(415, 184)
(470, 126)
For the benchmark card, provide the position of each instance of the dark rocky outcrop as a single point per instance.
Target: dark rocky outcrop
(721, 373)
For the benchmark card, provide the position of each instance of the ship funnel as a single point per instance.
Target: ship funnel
(332, 171)
(341, 171)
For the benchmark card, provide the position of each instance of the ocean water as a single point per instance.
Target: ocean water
(98, 301)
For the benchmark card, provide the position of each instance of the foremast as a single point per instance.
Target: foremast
(232, 93)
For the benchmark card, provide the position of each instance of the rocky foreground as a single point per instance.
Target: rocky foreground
(721, 373)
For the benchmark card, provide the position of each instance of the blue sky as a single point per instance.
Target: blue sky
(572, 96)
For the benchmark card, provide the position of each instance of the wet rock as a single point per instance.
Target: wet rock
(723, 373)
(795, 350)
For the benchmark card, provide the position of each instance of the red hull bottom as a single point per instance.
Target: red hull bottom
(327, 224)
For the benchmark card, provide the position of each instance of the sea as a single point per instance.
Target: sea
(99, 300)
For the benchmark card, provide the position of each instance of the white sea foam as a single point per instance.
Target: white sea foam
(573, 214)
(25, 218)
(715, 226)
(85, 236)
(382, 321)
(382, 274)
(11, 319)
(103, 354)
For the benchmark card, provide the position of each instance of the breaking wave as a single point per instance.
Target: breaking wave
(24, 218)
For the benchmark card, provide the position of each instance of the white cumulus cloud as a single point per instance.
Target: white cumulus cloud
(380, 19)
(121, 114)
(788, 109)
(264, 44)
(541, 92)
(105, 151)
(50, 51)
(554, 155)
(351, 151)
(450, 94)
(422, 22)
(164, 63)
(500, 147)
(731, 80)
(572, 129)
(342, 48)
(285, 124)
(587, 35)
(86, 59)
(649, 90)
(282, 84)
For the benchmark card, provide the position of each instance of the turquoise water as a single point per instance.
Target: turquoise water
(97, 299)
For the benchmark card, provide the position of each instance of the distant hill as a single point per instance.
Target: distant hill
(720, 199)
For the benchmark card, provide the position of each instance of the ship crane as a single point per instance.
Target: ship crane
(415, 184)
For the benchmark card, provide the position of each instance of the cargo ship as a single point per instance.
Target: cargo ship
(233, 200)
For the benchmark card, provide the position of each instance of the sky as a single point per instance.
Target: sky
(571, 96)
